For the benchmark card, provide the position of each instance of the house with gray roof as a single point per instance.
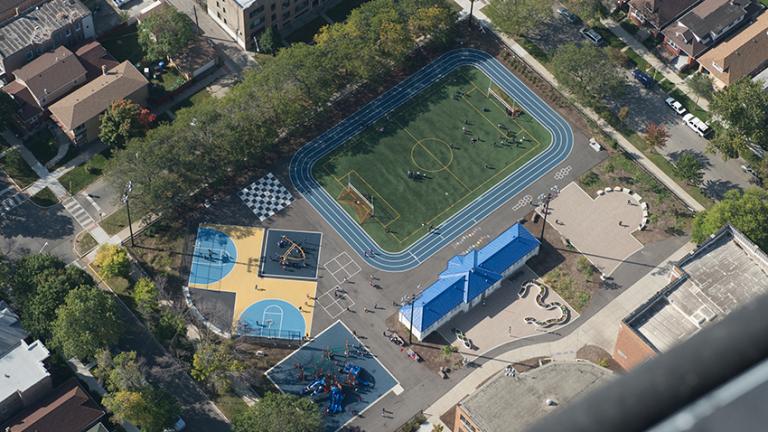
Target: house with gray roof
(24, 379)
(42, 28)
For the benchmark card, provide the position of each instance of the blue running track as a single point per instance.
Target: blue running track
(304, 159)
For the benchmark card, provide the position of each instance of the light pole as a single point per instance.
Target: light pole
(128, 189)
(547, 199)
(412, 302)
(471, 10)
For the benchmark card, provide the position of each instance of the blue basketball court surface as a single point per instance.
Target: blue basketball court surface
(272, 319)
(213, 258)
(336, 371)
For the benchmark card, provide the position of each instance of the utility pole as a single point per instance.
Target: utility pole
(128, 189)
(412, 302)
(197, 24)
(471, 11)
(547, 199)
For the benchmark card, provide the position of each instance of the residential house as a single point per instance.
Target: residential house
(468, 279)
(69, 408)
(94, 57)
(705, 25)
(512, 401)
(199, 57)
(657, 14)
(11, 8)
(245, 20)
(79, 113)
(742, 55)
(41, 29)
(43, 81)
(24, 379)
(722, 274)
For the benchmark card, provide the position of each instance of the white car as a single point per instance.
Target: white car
(675, 105)
(697, 125)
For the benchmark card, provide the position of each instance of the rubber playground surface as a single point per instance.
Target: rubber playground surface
(323, 372)
(227, 259)
(426, 135)
(291, 254)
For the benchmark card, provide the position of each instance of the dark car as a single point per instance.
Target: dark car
(643, 77)
(592, 36)
(568, 15)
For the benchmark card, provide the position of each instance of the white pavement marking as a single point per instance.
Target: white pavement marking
(92, 201)
(78, 212)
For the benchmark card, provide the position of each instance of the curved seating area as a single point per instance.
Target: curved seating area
(565, 313)
(632, 195)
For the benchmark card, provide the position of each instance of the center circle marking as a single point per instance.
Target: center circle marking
(428, 154)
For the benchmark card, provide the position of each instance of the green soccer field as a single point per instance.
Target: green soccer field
(427, 135)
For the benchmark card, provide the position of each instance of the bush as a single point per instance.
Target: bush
(111, 261)
(590, 179)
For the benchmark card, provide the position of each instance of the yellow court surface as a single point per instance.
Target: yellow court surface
(228, 259)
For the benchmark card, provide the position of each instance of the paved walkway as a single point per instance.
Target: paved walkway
(600, 330)
(654, 61)
(50, 180)
(633, 151)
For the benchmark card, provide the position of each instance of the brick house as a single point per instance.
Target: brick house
(742, 55)
(657, 14)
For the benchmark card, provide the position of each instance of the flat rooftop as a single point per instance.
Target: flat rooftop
(724, 273)
(36, 25)
(508, 403)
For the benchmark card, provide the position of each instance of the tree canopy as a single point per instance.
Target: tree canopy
(7, 110)
(747, 211)
(218, 139)
(146, 295)
(52, 287)
(165, 32)
(150, 408)
(587, 72)
(656, 136)
(690, 168)
(112, 260)
(701, 85)
(519, 17)
(87, 321)
(279, 411)
(121, 122)
(215, 363)
(742, 110)
(122, 372)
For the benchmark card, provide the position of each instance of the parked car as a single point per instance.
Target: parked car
(697, 125)
(643, 77)
(568, 15)
(179, 426)
(120, 3)
(592, 36)
(675, 105)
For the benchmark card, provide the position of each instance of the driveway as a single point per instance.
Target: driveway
(646, 106)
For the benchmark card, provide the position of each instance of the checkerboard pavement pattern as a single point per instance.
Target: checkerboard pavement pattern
(266, 196)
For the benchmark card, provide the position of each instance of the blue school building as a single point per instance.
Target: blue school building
(468, 279)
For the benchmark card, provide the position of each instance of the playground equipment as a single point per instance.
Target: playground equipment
(316, 387)
(334, 407)
(293, 255)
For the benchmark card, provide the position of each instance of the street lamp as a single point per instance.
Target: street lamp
(547, 199)
(471, 10)
(128, 189)
(412, 302)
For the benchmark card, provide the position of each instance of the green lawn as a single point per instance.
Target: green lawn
(15, 166)
(45, 198)
(118, 220)
(230, 405)
(84, 243)
(43, 145)
(81, 176)
(195, 99)
(124, 45)
(426, 135)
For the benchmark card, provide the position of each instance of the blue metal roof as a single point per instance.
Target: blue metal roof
(467, 276)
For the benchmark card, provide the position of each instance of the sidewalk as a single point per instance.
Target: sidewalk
(654, 61)
(600, 330)
(623, 142)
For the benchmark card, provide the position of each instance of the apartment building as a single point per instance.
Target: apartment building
(245, 20)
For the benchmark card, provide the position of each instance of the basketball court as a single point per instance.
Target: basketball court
(227, 261)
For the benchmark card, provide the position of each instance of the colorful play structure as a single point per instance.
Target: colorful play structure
(294, 254)
(334, 379)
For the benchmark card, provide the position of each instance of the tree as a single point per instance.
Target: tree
(690, 168)
(165, 33)
(747, 211)
(269, 41)
(280, 411)
(618, 57)
(121, 122)
(25, 273)
(7, 110)
(519, 17)
(169, 326)
(215, 364)
(656, 136)
(87, 321)
(121, 373)
(145, 295)
(742, 110)
(52, 287)
(701, 85)
(112, 260)
(150, 408)
(587, 72)
(588, 10)
(623, 113)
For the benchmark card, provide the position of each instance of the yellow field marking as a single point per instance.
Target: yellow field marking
(380, 197)
(444, 165)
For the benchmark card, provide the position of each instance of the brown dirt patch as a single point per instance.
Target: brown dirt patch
(600, 357)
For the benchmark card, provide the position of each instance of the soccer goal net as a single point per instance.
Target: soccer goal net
(509, 104)
(362, 205)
